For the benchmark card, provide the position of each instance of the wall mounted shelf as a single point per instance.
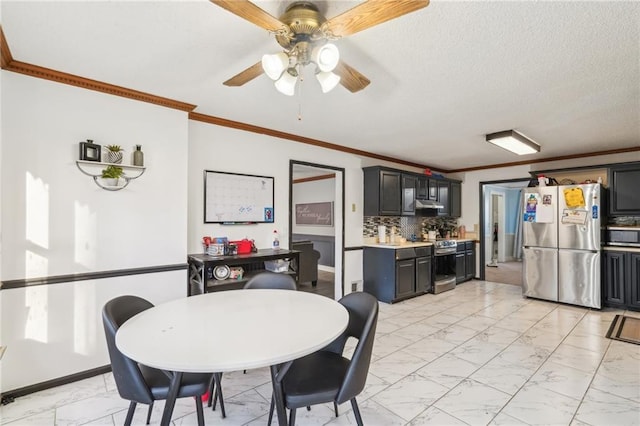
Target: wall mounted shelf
(94, 169)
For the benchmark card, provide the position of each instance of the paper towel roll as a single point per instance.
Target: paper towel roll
(382, 234)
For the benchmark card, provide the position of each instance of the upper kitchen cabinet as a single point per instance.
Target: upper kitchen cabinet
(455, 194)
(409, 183)
(382, 192)
(443, 187)
(391, 192)
(624, 181)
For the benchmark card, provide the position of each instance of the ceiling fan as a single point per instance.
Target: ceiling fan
(304, 34)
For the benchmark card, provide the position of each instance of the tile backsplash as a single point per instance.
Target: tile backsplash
(409, 225)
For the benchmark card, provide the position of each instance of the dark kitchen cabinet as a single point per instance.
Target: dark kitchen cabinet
(432, 189)
(455, 195)
(392, 274)
(424, 271)
(382, 192)
(443, 197)
(409, 183)
(422, 188)
(461, 267)
(405, 278)
(621, 279)
(470, 260)
(624, 194)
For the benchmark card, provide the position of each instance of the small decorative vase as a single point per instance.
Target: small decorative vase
(138, 156)
(114, 157)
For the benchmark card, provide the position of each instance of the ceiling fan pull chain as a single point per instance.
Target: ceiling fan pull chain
(300, 81)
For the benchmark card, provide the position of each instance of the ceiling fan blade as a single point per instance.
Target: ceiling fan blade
(368, 14)
(245, 76)
(351, 79)
(252, 13)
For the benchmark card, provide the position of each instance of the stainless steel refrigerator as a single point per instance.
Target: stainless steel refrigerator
(561, 241)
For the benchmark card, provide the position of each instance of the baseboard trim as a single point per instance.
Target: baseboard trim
(9, 396)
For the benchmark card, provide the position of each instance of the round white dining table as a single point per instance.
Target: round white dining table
(229, 331)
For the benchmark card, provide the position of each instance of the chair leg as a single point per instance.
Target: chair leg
(218, 379)
(199, 411)
(132, 409)
(356, 412)
(292, 417)
(271, 408)
(335, 407)
(212, 388)
(149, 412)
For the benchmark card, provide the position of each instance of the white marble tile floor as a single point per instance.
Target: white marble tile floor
(477, 355)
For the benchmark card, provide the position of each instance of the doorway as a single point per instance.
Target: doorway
(323, 186)
(500, 233)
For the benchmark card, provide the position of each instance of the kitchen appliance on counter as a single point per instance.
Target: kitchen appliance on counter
(561, 239)
(445, 265)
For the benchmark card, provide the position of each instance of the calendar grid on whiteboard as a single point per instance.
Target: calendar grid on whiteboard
(237, 198)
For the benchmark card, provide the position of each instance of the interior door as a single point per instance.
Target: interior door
(540, 273)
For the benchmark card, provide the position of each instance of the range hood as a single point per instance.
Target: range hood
(428, 204)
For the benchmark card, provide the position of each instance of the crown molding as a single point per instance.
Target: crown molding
(548, 159)
(302, 139)
(9, 64)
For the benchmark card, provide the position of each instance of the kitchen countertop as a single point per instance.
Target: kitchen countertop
(623, 228)
(621, 248)
(408, 244)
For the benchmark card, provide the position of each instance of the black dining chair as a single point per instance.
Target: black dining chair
(262, 280)
(328, 376)
(139, 383)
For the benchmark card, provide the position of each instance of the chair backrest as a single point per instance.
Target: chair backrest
(126, 373)
(363, 318)
(271, 280)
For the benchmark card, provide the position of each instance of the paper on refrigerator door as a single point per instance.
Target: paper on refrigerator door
(574, 197)
(538, 209)
(574, 217)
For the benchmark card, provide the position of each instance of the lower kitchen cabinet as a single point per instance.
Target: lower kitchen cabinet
(461, 267)
(470, 260)
(392, 274)
(621, 279)
(465, 261)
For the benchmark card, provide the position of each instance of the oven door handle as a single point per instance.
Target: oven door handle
(444, 252)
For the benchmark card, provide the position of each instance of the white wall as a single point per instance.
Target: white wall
(219, 148)
(471, 180)
(56, 221)
(313, 192)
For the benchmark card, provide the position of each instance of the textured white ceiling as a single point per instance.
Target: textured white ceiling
(567, 74)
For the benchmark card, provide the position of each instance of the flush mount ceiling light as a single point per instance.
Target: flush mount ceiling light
(305, 34)
(514, 142)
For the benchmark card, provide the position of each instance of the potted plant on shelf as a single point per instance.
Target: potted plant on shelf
(114, 153)
(111, 175)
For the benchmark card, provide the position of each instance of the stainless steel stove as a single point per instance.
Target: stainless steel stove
(445, 268)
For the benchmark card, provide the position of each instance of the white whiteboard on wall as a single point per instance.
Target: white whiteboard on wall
(231, 198)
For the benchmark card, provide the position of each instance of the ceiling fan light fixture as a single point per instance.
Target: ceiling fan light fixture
(514, 142)
(274, 65)
(328, 81)
(326, 57)
(286, 84)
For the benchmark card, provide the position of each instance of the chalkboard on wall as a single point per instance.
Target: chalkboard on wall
(233, 198)
(314, 214)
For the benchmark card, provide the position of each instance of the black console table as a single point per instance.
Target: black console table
(200, 273)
